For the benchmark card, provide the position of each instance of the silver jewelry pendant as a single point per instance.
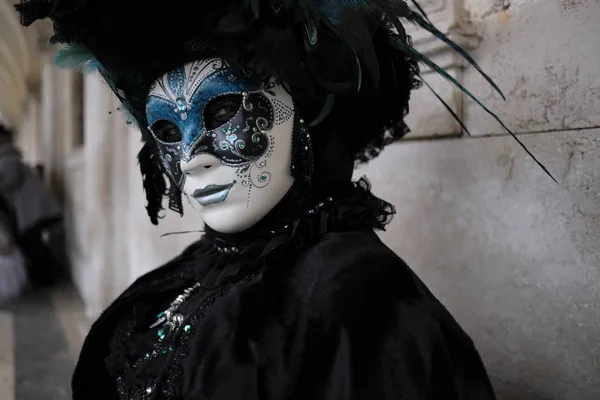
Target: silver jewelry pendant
(168, 317)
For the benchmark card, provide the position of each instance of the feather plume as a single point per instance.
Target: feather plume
(447, 107)
(153, 181)
(77, 57)
(425, 60)
(417, 19)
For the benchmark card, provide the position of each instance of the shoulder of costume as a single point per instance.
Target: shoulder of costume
(355, 265)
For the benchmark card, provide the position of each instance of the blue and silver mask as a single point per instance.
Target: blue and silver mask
(225, 140)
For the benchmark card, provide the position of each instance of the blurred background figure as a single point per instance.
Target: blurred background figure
(39, 169)
(13, 276)
(34, 210)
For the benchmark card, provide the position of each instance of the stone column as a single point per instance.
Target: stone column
(95, 276)
(63, 127)
(30, 125)
(57, 120)
(118, 142)
(47, 128)
(36, 137)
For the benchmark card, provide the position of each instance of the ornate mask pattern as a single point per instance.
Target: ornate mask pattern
(239, 153)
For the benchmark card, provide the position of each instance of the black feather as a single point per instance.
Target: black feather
(416, 18)
(153, 182)
(450, 110)
(420, 9)
(442, 72)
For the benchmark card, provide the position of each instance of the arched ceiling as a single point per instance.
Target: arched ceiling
(19, 61)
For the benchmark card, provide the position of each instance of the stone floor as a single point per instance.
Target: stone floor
(40, 336)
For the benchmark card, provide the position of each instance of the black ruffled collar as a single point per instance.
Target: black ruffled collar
(295, 224)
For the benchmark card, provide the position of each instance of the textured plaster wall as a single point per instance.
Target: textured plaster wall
(545, 55)
(514, 256)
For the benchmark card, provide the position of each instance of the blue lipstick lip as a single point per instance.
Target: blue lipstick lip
(212, 194)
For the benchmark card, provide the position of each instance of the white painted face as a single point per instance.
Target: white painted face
(226, 141)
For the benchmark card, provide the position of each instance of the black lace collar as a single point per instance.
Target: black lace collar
(302, 215)
(294, 224)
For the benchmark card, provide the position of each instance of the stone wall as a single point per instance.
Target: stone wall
(513, 255)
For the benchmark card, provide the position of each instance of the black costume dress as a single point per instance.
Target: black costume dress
(310, 304)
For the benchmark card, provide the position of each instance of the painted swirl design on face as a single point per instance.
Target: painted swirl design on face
(179, 111)
(243, 138)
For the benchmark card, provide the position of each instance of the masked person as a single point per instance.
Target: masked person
(34, 210)
(256, 112)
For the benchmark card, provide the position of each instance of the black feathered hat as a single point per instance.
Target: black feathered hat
(348, 64)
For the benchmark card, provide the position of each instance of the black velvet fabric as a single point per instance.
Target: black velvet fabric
(317, 308)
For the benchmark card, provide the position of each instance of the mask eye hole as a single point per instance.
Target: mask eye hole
(221, 110)
(166, 131)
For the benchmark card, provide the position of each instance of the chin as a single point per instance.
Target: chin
(229, 218)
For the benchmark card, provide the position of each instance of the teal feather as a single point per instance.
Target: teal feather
(311, 35)
(359, 72)
(327, 107)
(418, 7)
(418, 19)
(439, 70)
(76, 57)
(255, 7)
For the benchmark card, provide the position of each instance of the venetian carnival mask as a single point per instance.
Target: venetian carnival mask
(225, 140)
